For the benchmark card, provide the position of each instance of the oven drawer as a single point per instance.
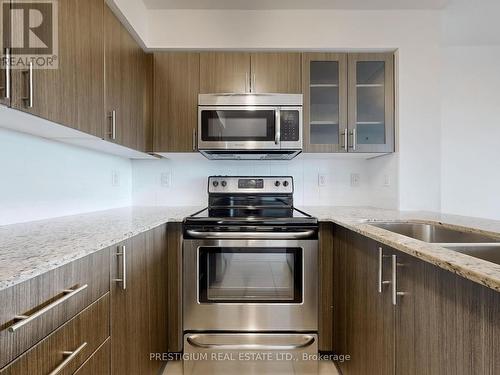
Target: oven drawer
(68, 347)
(250, 353)
(48, 301)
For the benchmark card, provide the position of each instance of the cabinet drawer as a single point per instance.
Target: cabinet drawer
(69, 346)
(48, 301)
(99, 363)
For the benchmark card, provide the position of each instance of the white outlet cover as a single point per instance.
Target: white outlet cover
(322, 179)
(166, 179)
(387, 180)
(115, 178)
(355, 179)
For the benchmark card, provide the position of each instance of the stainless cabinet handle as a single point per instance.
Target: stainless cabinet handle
(192, 341)
(245, 235)
(23, 319)
(7, 73)
(247, 83)
(69, 357)
(112, 132)
(395, 293)
(353, 144)
(123, 254)
(28, 100)
(345, 136)
(277, 132)
(381, 257)
(194, 139)
(253, 84)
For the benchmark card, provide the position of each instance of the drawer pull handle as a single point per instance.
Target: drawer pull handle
(69, 357)
(23, 319)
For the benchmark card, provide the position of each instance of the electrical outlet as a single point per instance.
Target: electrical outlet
(115, 178)
(166, 179)
(322, 179)
(387, 180)
(355, 179)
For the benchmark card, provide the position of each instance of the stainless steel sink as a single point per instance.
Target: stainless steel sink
(488, 252)
(434, 233)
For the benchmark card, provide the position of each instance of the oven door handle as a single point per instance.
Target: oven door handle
(246, 235)
(192, 341)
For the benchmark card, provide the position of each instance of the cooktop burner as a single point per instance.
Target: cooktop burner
(255, 201)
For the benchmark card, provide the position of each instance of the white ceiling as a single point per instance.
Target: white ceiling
(296, 4)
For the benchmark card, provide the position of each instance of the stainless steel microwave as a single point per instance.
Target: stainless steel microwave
(250, 126)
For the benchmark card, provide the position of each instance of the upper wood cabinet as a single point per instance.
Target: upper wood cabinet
(371, 102)
(128, 73)
(72, 94)
(276, 72)
(5, 82)
(176, 88)
(348, 102)
(224, 72)
(243, 72)
(325, 102)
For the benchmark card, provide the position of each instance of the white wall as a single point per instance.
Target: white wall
(42, 179)
(189, 180)
(471, 102)
(416, 35)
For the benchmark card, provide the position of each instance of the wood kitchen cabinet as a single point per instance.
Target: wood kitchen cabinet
(5, 82)
(371, 102)
(243, 72)
(72, 94)
(437, 323)
(128, 85)
(325, 264)
(139, 302)
(98, 363)
(224, 72)
(325, 102)
(276, 72)
(174, 287)
(348, 102)
(176, 87)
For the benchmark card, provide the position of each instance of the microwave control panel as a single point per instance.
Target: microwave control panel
(289, 125)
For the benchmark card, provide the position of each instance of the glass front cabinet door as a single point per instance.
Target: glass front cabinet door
(371, 102)
(325, 102)
(348, 102)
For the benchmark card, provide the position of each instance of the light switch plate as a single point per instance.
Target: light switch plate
(166, 179)
(115, 178)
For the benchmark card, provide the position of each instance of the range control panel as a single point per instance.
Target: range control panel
(250, 184)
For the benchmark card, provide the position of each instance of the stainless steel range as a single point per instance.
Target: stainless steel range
(250, 267)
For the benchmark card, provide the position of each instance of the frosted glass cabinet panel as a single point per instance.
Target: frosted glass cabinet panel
(325, 102)
(371, 102)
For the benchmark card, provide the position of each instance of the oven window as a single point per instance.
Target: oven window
(250, 275)
(237, 125)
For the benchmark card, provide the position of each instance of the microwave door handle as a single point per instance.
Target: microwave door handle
(277, 133)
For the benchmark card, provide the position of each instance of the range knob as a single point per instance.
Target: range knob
(277, 183)
(223, 183)
(285, 183)
(215, 183)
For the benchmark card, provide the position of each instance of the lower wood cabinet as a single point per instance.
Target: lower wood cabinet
(174, 287)
(98, 363)
(437, 323)
(67, 347)
(139, 302)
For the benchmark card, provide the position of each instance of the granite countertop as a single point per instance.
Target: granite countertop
(358, 218)
(33, 248)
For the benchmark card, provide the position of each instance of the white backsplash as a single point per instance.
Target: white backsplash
(188, 179)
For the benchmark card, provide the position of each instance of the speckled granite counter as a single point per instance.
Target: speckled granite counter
(30, 249)
(477, 270)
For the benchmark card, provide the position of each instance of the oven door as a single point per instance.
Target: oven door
(250, 285)
(238, 127)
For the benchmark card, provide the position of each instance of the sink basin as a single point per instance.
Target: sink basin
(489, 252)
(434, 233)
